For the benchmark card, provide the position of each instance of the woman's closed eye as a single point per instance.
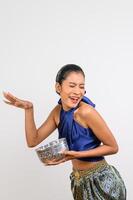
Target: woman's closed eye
(72, 86)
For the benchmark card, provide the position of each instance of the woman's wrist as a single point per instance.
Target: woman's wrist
(78, 154)
(81, 154)
(29, 109)
(29, 106)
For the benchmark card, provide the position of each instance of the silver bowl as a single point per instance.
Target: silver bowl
(52, 150)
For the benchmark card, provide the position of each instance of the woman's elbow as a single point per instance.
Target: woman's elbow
(31, 145)
(115, 149)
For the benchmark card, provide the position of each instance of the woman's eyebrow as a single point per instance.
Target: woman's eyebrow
(76, 83)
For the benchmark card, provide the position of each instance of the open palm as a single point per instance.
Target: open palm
(14, 101)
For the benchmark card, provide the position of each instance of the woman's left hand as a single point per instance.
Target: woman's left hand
(68, 155)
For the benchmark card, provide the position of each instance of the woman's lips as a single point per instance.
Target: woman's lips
(74, 100)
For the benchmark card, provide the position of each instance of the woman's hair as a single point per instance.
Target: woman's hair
(66, 70)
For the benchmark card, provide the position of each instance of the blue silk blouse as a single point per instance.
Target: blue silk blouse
(78, 137)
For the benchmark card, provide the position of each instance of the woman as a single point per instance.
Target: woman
(88, 136)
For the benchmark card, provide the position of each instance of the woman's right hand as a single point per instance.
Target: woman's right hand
(14, 101)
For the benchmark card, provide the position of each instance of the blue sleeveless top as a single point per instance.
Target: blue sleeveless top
(78, 137)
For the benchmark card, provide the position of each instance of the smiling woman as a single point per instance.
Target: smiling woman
(87, 134)
(71, 89)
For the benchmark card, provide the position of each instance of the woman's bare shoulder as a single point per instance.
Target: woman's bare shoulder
(84, 109)
(57, 108)
(88, 113)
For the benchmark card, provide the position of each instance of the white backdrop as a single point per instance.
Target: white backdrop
(36, 39)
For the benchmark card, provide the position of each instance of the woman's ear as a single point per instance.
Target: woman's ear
(57, 88)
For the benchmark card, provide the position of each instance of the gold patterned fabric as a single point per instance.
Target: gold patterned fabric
(102, 182)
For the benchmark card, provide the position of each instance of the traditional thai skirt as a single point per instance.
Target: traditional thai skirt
(102, 182)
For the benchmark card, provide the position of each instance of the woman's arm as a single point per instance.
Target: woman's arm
(94, 121)
(33, 135)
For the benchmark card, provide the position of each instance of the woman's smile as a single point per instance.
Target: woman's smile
(74, 100)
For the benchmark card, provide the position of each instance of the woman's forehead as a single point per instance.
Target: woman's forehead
(75, 76)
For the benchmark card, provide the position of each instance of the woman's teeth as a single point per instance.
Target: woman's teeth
(74, 100)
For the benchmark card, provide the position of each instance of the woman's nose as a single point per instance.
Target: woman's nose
(76, 91)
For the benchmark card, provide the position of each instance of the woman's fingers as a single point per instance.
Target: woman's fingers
(8, 102)
(13, 104)
(55, 162)
(9, 97)
(69, 155)
(12, 100)
(13, 97)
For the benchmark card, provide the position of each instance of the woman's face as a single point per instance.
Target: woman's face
(71, 90)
